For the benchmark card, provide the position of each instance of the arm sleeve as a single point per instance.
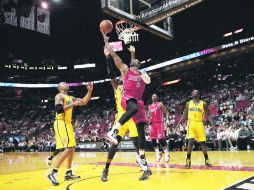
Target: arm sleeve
(59, 108)
(110, 69)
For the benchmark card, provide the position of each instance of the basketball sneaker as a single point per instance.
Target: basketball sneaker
(188, 163)
(69, 176)
(53, 178)
(111, 136)
(145, 175)
(158, 156)
(208, 163)
(104, 176)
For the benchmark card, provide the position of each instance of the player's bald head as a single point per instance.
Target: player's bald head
(155, 98)
(135, 63)
(195, 93)
(63, 86)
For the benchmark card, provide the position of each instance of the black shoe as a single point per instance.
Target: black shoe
(208, 163)
(150, 172)
(69, 176)
(145, 175)
(188, 163)
(53, 178)
(104, 176)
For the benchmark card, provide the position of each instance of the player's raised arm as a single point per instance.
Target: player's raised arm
(185, 115)
(134, 61)
(132, 50)
(165, 111)
(110, 69)
(118, 61)
(207, 111)
(86, 99)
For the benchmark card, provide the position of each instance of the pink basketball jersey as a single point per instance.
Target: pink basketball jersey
(133, 85)
(156, 113)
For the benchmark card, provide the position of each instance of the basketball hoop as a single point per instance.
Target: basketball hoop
(127, 32)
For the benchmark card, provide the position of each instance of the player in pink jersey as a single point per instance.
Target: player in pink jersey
(134, 82)
(157, 111)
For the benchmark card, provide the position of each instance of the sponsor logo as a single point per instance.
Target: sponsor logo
(166, 9)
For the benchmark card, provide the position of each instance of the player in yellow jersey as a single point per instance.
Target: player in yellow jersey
(129, 126)
(63, 129)
(194, 112)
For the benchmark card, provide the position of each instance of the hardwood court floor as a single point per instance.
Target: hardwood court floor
(27, 171)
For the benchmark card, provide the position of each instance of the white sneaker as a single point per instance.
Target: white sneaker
(111, 136)
(167, 158)
(143, 164)
(158, 157)
(53, 178)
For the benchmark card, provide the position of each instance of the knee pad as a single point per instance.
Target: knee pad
(135, 142)
(132, 106)
(154, 143)
(141, 136)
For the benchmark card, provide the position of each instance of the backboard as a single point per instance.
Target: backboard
(153, 16)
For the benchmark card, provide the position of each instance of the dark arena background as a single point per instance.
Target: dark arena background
(54, 50)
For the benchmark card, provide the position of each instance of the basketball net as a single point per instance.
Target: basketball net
(127, 32)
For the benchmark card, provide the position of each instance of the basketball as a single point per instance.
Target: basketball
(106, 26)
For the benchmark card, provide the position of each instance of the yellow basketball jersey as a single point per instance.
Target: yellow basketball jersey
(118, 97)
(196, 111)
(67, 115)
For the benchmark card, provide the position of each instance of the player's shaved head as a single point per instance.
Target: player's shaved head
(63, 86)
(135, 63)
(195, 94)
(154, 98)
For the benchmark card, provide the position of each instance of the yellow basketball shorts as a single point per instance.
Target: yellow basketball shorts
(129, 125)
(196, 130)
(64, 134)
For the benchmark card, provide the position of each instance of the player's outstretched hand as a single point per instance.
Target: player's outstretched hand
(132, 49)
(89, 86)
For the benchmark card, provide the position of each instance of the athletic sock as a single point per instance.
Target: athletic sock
(107, 165)
(69, 171)
(166, 152)
(206, 156)
(189, 156)
(55, 170)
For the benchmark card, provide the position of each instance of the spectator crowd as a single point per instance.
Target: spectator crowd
(28, 126)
